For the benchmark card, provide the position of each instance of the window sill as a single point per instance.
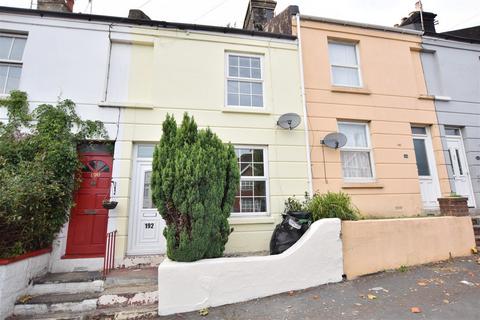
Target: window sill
(426, 97)
(350, 90)
(442, 98)
(251, 110)
(237, 220)
(362, 185)
(131, 105)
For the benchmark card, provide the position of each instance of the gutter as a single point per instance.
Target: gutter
(362, 25)
(304, 103)
(140, 22)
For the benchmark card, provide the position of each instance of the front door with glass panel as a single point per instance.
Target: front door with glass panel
(429, 185)
(459, 166)
(146, 224)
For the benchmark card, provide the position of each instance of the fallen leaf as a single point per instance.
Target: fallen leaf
(203, 312)
(415, 310)
(316, 297)
(468, 283)
(24, 299)
(288, 307)
(446, 301)
(422, 284)
(474, 250)
(358, 304)
(371, 296)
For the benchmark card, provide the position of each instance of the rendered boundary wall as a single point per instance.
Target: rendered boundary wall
(314, 260)
(371, 246)
(15, 279)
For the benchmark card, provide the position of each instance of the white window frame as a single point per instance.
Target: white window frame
(261, 80)
(265, 178)
(17, 63)
(357, 66)
(368, 149)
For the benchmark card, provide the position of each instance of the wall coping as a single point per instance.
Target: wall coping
(31, 254)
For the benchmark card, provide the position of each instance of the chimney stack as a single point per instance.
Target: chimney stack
(414, 21)
(56, 5)
(259, 12)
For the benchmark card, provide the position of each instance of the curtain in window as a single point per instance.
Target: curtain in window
(356, 164)
(356, 134)
(343, 54)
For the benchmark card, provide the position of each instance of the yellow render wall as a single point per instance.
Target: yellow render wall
(188, 75)
(391, 100)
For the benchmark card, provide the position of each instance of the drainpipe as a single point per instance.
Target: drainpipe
(304, 103)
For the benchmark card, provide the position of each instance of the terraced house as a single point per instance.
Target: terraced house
(367, 82)
(451, 65)
(129, 73)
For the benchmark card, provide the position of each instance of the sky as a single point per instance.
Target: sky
(452, 14)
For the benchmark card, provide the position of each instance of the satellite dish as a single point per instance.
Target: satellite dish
(335, 140)
(289, 121)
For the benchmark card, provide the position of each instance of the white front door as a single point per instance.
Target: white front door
(427, 173)
(459, 166)
(146, 224)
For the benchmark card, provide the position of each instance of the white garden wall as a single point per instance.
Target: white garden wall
(314, 260)
(15, 279)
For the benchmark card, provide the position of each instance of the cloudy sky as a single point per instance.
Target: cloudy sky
(452, 14)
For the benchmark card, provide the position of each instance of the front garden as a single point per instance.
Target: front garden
(38, 166)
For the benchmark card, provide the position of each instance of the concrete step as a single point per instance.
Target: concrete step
(117, 313)
(69, 282)
(115, 296)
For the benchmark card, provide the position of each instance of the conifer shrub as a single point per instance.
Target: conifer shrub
(195, 177)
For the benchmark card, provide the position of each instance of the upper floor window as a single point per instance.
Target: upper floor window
(11, 53)
(344, 64)
(251, 197)
(356, 155)
(244, 80)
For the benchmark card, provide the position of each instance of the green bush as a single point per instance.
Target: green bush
(195, 177)
(333, 205)
(38, 166)
(292, 204)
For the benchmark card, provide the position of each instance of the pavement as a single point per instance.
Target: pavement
(447, 290)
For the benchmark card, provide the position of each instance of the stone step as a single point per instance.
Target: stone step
(117, 313)
(67, 277)
(68, 282)
(116, 296)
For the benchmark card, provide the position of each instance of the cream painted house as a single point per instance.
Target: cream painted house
(205, 74)
(130, 73)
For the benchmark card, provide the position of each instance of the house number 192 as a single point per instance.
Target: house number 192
(149, 225)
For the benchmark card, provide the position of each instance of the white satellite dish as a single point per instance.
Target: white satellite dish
(334, 140)
(289, 121)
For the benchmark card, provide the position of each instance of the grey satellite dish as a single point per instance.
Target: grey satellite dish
(289, 121)
(335, 140)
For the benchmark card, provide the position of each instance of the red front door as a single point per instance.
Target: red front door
(87, 227)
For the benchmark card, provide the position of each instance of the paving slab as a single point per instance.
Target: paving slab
(441, 291)
(126, 277)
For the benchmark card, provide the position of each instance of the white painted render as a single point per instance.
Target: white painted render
(15, 278)
(314, 260)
